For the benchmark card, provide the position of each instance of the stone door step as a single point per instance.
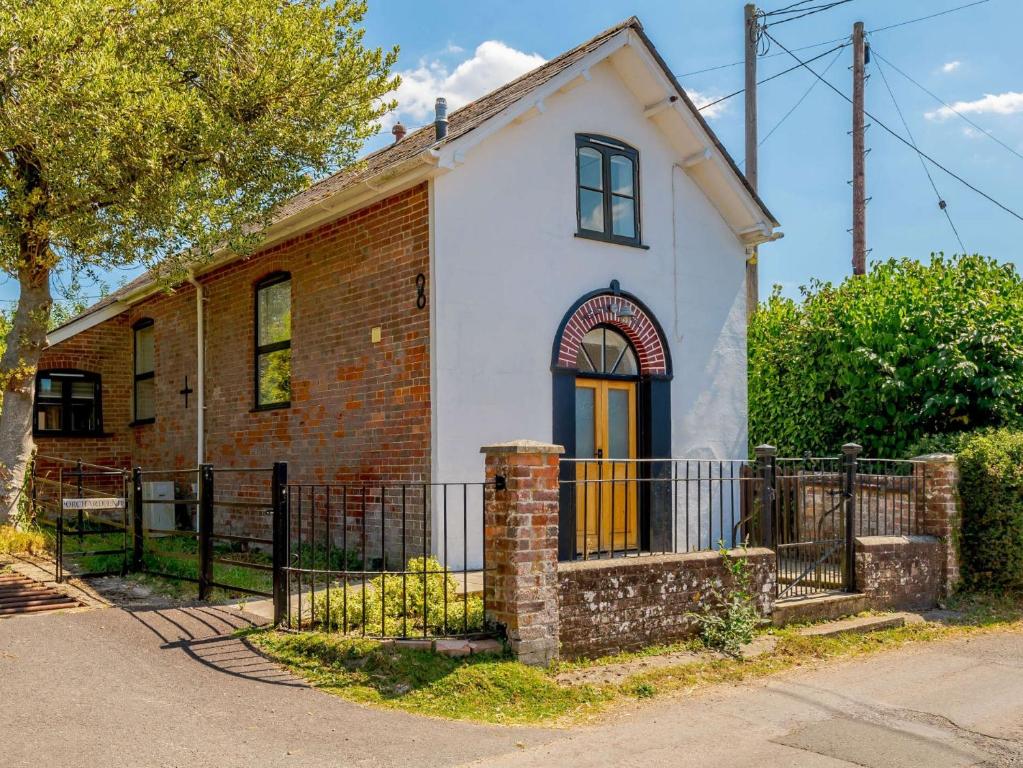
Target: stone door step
(860, 625)
(836, 605)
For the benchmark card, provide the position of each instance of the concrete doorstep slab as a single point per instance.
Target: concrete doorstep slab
(857, 624)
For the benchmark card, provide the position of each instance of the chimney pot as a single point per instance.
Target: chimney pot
(399, 132)
(441, 122)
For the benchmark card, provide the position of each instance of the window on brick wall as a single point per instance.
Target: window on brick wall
(607, 190)
(145, 372)
(273, 341)
(67, 403)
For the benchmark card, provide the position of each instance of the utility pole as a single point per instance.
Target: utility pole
(859, 152)
(750, 30)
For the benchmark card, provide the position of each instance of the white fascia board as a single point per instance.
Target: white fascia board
(716, 155)
(85, 322)
(531, 102)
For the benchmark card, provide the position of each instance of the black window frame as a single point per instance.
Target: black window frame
(68, 375)
(140, 325)
(269, 281)
(608, 148)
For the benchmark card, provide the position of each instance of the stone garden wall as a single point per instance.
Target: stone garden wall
(608, 606)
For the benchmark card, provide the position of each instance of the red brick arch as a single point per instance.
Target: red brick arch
(613, 309)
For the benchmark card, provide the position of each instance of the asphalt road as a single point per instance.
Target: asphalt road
(164, 687)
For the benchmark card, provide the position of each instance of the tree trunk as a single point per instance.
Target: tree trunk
(18, 365)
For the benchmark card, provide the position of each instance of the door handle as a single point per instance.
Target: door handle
(599, 453)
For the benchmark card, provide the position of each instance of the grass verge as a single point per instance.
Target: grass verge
(499, 690)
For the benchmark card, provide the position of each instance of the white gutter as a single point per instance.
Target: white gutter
(200, 357)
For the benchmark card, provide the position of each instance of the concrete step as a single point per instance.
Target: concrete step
(824, 607)
(860, 625)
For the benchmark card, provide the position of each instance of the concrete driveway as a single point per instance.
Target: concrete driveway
(165, 687)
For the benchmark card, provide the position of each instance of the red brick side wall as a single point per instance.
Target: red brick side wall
(360, 411)
(106, 350)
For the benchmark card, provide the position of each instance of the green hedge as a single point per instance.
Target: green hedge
(991, 489)
(909, 350)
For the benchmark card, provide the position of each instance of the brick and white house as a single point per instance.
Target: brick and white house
(563, 259)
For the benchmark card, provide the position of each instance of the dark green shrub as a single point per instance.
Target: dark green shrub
(910, 349)
(991, 489)
(944, 443)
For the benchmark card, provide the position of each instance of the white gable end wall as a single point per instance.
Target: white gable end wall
(507, 267)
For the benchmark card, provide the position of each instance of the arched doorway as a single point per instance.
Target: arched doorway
(611, 376)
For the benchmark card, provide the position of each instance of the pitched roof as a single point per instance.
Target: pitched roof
(460, 122)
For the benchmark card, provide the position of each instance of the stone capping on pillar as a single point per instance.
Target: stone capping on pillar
(520, 546)
(939, 475)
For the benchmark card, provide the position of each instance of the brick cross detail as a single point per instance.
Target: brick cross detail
(186, 391)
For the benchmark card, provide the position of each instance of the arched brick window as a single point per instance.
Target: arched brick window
(618, 310)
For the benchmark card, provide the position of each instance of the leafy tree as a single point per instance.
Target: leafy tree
(884, 359)
(161, 130)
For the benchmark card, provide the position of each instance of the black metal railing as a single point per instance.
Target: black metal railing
(808, 509)
(383, 559)
(653, 506)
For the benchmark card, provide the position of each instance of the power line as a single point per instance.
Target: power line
(945, 104)
(836, 40)
(789, 7)
(772, 77)
(813, 84)
(925, 18)
(806, 11)
(884, 127)
(941, 202)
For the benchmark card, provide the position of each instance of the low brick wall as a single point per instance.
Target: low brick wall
(900, 571)
(608, 606)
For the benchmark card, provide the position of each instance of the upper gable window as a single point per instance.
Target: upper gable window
(273, 341)
(607, 180)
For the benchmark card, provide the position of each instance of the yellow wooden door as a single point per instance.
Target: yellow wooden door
(606, 498)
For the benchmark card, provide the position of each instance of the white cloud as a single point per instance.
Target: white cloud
(492, 64)
(703, 99)
(1008, 103)
(950, 66)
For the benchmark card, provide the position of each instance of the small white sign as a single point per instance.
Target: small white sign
(93, 503)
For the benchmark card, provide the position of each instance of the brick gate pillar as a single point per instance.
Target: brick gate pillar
(520, 546)
(938, 513)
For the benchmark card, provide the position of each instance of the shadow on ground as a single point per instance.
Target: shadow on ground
(207, 635)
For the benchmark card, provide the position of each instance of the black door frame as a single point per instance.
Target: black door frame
(653, 436)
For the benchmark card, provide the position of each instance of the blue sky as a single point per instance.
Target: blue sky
(461, 48)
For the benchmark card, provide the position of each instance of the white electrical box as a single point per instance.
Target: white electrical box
(155, 513)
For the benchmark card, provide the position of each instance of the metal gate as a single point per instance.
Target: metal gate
(820, 505)
(89, 510)
(813, 537)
